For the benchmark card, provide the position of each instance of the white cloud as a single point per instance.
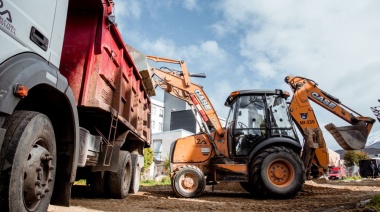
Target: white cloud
(335, 43)
(191, 4)
(128, 9)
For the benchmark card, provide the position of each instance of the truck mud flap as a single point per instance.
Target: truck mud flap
(349, 137)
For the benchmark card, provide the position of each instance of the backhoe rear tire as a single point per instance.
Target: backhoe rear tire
(120, 181)
(188, 181)
(277, 172)
(27, 162)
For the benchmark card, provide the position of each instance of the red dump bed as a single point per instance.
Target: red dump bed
(99, 69)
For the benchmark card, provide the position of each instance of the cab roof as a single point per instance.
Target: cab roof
(254, 92)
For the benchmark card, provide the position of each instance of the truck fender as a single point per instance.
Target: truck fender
(33, 72)
(280, 141)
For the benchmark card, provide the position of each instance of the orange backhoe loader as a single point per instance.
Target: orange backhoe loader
(315, 154)
(258, 147)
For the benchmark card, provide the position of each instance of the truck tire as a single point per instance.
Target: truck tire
(188, 181)
(120, 181)
(136, 174)
(277, 172)
(27, 162)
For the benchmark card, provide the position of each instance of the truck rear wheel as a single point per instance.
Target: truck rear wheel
(27, 162)
(120, 181)
(136, 172)
(188, 181)
(277, 172)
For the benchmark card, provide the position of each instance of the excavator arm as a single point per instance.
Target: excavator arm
(178, 84)
(349, 137)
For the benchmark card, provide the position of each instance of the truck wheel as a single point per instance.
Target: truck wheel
(120, 181)
(277, 172)
(188, 181)
(136, 174)
(27, 162)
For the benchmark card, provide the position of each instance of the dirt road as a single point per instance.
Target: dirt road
(319, 195)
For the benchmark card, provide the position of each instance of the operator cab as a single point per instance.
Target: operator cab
(256, 115)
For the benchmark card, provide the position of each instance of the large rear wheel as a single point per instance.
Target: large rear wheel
(277, 172)
(27, 162)
(188, 181)
(120, 181)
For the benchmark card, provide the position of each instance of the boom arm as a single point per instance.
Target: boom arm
(349, 138)
(178, 84)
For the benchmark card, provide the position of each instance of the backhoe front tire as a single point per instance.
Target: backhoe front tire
(277, 172)
(188, 181)
(120, 181)
(27, 162)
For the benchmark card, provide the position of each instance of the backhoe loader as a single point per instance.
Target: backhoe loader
(315, 155)
(259, 146)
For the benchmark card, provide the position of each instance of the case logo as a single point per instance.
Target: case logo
(202, 99)
(323, 100)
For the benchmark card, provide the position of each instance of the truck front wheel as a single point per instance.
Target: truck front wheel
(277, 172)
(27, 162)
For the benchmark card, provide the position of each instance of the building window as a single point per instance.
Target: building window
(161, 113)
(153, 123)
(154, 110)
(157, 149)
(160, 126)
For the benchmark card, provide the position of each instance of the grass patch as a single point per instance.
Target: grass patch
(163, 181)
(352, 178)
(80, 182)
(374, 203)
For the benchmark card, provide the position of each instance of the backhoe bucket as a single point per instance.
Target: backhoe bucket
(349, 137)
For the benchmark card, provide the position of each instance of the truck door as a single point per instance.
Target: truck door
(29, 24)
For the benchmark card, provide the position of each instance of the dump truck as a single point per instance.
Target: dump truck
(259, 147)
(72, 104)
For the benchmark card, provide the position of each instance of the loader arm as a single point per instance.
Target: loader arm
(349, 137)
(178, 84)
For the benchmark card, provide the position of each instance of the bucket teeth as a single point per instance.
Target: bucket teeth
(349, 137)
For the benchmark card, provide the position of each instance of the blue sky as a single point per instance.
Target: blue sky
(248, 44)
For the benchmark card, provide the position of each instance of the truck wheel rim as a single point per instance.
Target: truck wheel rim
(188, 183)
(281, 173)
(38, 171)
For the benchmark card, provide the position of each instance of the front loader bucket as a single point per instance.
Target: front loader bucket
(349, 137)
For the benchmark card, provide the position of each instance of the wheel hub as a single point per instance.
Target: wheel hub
(37, 176)
(188, 182)
(280, 173)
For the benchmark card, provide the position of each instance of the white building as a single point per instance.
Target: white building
(163, 140)
(157, 116)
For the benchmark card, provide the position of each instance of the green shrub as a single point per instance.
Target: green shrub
(374, 203)
(148, 157)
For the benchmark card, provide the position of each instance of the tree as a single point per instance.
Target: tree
(148, 157)
(352, 157)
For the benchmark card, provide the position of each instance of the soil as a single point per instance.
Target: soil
(316, 195)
